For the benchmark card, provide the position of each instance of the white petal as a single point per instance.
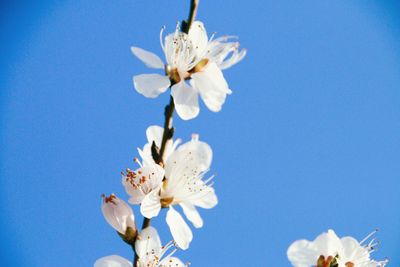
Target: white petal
(198, 35)
(145, 155)
(118, 214)
(302, 253)
(206, 201)
(137, 197)
(150, 59)
(171, 262)
(186, 100)
(200, 151)
(154, 133)
(151, 205)
(328, 244)
(192, 214)
(112, 261)
(148, 243)
(211, 84)
(179, 229)
(151, 85)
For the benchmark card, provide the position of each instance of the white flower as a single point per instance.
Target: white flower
(183, 186)
(191, 57)
(149, 250)
(328, 250)
(118, 214)
(139, 183)
(180, 182)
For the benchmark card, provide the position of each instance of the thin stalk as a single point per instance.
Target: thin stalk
(169, 112)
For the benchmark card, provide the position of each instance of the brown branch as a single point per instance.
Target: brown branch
(169, 112)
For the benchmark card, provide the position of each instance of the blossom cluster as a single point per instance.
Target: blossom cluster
(173, 175)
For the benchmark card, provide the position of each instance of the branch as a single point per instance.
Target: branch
(169, 112)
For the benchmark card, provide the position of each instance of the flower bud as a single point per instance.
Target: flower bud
(119, 215)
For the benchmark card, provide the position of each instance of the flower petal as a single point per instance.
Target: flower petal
(148, 244)
(151, 85)
(206, 200)
(302, 253)
(186, 100)
(329, 243)
(112, 261)
(179, 229)
(150, 59)
(192, 214)
(201, 153)
(154, 133)
(151, 205)
(211, 84)
(198, 36)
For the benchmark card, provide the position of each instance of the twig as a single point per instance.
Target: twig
(169, 112)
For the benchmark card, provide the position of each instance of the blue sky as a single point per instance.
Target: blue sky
(309, 139)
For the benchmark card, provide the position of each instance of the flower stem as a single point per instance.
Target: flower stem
(169, 112)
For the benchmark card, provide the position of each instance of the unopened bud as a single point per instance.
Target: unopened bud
(120, 216)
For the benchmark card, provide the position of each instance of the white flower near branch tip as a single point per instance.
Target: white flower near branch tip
(150, 253)
(191, 57)
(118, 214)
(328, 250)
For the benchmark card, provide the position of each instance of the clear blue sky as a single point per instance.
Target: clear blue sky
(309, 139)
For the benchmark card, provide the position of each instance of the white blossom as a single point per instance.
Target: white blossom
(182, 183)
(191, 57)
(118, 214)
(150, 253)
(184, 186)
(328, 250)
(139, 183)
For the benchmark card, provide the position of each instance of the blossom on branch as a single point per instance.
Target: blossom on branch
(190, 57)
(149, 250)
(328, 250)
(183, 185)
(151, 253)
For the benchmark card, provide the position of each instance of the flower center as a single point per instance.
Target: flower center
(331, 262)
(165, 202)
(328, 262)
(135, 179)
(173, 74)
